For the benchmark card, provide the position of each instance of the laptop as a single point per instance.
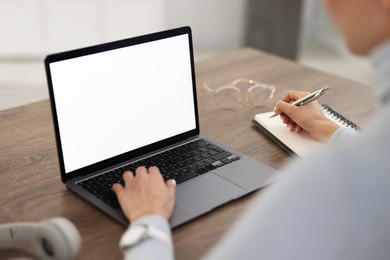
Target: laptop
(133, 102)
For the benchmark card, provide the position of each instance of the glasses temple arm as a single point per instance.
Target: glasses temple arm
(207, 87)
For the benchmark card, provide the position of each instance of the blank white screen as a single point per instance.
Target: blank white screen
(113, 102)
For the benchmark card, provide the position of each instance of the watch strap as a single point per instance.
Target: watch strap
(139, 232)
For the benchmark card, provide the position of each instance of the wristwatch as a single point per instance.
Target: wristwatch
(139, 232)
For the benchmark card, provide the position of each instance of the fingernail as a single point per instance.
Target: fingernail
(173, 182)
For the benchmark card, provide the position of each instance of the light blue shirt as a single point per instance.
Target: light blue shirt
(151, 248)
(334, 204)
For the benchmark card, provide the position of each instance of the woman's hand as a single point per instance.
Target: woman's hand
(308, 117)
(145, 194)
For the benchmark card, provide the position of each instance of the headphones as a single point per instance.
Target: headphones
(55, 238)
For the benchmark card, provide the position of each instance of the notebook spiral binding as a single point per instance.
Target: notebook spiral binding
(340, 117)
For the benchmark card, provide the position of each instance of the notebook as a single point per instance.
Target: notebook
(294, 143)
(133, 102)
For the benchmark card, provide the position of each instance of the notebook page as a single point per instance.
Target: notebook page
(301, 143)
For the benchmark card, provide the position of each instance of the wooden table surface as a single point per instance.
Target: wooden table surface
(30, 185)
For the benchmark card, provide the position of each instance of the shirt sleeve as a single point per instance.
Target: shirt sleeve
(294, 218)
(341, 135)
(151, 248)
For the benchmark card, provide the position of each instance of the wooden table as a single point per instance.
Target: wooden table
(30, 185)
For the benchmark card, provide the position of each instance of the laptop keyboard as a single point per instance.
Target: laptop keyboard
(180, 163)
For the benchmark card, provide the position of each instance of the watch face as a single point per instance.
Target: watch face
(133, 235)
(138, 232)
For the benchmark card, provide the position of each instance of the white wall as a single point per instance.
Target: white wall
(216, 24)
(34, 28)
(31, 29)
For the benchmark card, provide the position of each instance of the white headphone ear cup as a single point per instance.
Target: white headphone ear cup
(56, 238)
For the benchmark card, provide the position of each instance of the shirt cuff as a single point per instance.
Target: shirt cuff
(342, 134)
(151, 248)
(155, 221)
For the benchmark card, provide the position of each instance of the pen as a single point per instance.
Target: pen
(309, 98)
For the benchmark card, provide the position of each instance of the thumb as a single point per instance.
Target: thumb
(171, 185)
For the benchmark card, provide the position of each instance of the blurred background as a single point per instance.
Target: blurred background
(299, 30)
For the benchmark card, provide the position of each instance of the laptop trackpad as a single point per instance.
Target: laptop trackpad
(205, 193)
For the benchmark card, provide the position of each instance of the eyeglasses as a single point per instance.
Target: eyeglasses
(231, 95)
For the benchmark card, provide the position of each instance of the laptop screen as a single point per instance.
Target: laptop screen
(112, 102)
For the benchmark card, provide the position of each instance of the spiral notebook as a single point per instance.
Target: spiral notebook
(296, 143)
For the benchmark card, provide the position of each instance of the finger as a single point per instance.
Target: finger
(140, 170)
(154, 170)
(171, 185)
(283, 108)
(290, 124)
(291, 127)
(288, 110)
(286, 97)
(128, 177)
(117, 188)
(285, 119)
(294, 95)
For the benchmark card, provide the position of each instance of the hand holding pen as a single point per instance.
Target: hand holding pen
(309, 98)
(298, 111)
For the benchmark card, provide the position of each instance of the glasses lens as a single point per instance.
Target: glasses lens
(227, 97)
(260, 95)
